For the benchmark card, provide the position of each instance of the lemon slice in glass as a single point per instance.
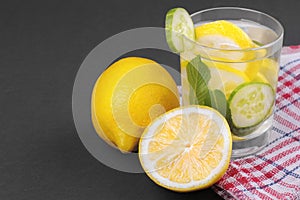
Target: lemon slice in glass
(269, 69)
(224, 77)
(224, 35)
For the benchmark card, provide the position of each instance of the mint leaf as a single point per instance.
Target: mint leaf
(198, 76)
(217, 100)
(192, 96)
(257, 43)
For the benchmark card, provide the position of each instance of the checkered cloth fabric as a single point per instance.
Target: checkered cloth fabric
(273, 173)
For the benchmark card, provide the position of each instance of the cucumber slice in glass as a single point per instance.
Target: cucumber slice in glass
(250, 104)
(178, 24)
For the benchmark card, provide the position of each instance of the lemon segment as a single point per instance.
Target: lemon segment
(267, 72)
(252, 69)
(260, 78)
(237, 138)
(186, 149)
(224, 35)
(225, 77)
(127, 96)
(269, 69)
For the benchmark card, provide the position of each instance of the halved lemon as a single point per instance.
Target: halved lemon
(187, 148)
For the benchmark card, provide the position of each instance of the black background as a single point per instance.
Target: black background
(42, 45)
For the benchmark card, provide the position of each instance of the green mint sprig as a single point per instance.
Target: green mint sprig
(198, 75)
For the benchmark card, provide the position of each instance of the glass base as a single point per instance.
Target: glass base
(249, 146)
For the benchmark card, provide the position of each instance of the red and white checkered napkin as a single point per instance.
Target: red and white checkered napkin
(273, 173)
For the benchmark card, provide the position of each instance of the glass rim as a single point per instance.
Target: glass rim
(272, 43)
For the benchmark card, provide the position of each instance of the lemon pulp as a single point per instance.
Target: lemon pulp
(186, 149)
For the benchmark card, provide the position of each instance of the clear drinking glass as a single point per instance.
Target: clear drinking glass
(241, 84)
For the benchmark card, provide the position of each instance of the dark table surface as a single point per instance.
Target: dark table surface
(43, 44)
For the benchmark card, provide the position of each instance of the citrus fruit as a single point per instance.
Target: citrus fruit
(186, 149)
(229, 45)
(225, 78)
(178, 24)
(236, 138)
(269, 69)
(224, 35)
(250, 103)
(260, 78)
(127, 97)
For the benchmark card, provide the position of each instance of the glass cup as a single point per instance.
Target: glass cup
(239, 83)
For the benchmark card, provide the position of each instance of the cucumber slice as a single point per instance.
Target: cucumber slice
(250, 104)
(178, 24)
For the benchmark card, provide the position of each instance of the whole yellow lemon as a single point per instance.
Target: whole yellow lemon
(127, 97)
